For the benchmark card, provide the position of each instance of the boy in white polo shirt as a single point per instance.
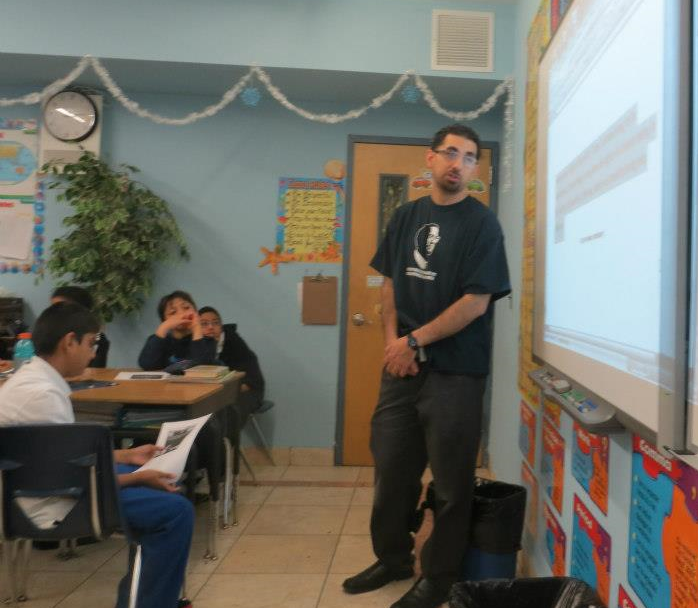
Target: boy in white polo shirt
(162, 521)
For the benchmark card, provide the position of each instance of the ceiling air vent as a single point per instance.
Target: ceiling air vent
(462, 41)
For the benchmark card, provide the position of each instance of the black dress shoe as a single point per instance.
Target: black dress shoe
(376, 576)
(425, 593)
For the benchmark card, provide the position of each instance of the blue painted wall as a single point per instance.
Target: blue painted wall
(220, 177)
(383, 36)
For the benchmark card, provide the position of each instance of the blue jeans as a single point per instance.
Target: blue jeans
(162, 523)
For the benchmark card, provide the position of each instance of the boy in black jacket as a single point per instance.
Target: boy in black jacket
(179, 336)
(232, 350)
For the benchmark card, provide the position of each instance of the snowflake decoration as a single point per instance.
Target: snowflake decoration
(410, 94)
(251, 96)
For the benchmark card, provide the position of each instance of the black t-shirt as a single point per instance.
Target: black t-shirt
(435, 254)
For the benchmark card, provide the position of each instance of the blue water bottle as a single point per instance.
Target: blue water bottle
(24, 350)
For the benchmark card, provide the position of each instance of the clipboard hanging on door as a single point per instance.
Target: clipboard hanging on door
(319, 300)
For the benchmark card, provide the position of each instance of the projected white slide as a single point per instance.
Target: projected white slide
(601, 189)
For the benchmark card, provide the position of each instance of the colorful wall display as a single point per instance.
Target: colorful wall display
(552, 467)
(624, 600)
(555, 542)
(663, 545)
(552, 411)
(527, 433)
(310, 219)
(590, 465)
(21, 198)
(528, 479)
(558, 8)
(591, 551)
(538, 39)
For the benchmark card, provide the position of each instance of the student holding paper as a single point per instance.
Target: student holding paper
(64, 339)
(178, 337)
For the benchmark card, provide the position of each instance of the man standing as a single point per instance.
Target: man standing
(444, 265)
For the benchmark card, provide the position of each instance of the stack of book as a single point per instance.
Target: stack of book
(147, 418)
(204, 373)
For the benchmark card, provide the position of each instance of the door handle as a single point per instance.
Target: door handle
(358, 319)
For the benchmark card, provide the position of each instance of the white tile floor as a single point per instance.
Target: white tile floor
(301, 532)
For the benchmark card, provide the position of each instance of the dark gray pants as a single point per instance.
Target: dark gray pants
(434, 418)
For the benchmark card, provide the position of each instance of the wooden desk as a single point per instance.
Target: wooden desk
(196, 399)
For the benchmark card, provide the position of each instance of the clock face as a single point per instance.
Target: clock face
(70, 116)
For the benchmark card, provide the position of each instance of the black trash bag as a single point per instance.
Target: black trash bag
(497, 520)
(545, 592)
(497, 517)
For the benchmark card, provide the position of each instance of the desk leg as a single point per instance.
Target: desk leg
(25, 548)
(212, 528)
(236, 495)
(228, 482)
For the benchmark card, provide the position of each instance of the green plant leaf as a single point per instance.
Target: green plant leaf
(118, 230)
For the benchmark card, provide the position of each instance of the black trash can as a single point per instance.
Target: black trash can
(496, 526)
(546, 592)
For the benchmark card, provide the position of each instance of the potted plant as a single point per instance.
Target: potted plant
(118, 231)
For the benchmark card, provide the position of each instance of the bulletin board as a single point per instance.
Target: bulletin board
(310, 219)
(21, 198)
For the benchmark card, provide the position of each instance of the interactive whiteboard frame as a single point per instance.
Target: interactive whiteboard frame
(655, 412)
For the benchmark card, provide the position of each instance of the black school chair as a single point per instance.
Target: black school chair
(50, 462)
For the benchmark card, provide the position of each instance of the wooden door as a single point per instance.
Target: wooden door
(383, 176)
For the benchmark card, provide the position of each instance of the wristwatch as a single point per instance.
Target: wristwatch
(412, 342)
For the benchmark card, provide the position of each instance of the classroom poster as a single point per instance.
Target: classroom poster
(527, 433)
(591, 551)
(663, 545)
(538, 39)
(529, 481)
(310, 219)
(558, 8)
(552, 467)
(18, 158)
(624, 600)
(590, 464)
(555, 542)
(552, 411)
(21, 198)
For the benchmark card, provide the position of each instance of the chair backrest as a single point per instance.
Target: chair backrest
(59, 460)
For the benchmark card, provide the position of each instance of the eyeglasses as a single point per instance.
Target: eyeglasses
(211, 323)
(469, 160)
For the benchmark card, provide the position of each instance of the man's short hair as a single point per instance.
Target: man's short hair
(57, 321)
(73, 293)
(205, 309)
(460, 131)
(165, 300)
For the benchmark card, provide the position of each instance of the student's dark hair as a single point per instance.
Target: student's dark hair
(73, 293)
(460, 131)
(57, 321)
(205, 309)
(165, 300)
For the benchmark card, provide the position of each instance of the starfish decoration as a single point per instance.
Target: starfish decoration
(274, 257)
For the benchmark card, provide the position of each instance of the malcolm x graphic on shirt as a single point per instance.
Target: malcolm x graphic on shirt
(426, 239)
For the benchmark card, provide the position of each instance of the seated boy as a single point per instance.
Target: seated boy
(232, 351)
(80, 295)
(64, 339)
(178, 337)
